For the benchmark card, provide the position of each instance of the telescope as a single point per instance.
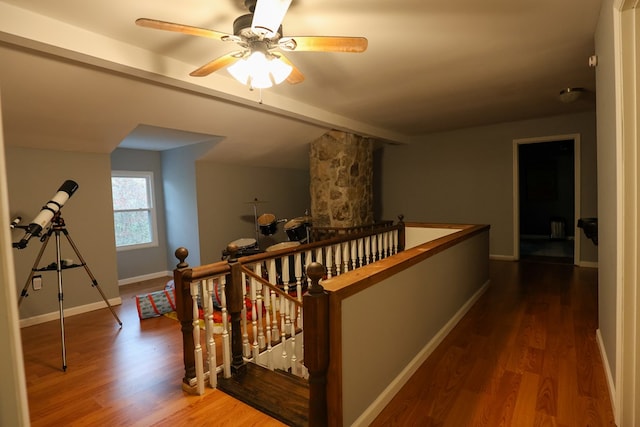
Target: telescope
(46, 214)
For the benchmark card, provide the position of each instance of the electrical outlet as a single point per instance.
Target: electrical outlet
(36, 283)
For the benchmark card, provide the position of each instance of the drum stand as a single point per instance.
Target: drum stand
(56, 228)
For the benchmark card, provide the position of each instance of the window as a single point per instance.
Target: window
(133, 209)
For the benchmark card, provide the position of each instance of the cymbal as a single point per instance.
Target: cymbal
(256, 202)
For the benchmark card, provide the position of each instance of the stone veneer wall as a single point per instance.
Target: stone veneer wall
(341, 176)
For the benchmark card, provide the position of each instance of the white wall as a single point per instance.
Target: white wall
(607, 183)
(466, 176)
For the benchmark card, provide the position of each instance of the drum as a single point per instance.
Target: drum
(296, 229)
(268, 224)
(246, 246)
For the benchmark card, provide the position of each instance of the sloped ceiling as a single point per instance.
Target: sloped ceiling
(79, 75)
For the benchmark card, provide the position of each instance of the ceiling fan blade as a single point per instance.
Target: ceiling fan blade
(296, 76)
(323, 44)
(216, 64)
(268, 16)
(180, 28)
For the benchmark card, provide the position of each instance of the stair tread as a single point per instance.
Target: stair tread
(278, 394)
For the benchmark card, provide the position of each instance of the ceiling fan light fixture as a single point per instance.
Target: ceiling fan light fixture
(279, 70)
(260, 72)
(240, 71)
(268, 16)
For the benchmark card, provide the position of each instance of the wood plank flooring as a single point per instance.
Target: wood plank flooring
(120, 377)
(525, 355)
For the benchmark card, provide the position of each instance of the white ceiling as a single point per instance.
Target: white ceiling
(80, 75)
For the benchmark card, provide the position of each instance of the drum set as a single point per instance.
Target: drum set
(296, 229)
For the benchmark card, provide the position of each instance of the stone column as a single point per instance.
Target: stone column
(341, 169)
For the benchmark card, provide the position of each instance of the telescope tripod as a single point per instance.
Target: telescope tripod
(57, 227)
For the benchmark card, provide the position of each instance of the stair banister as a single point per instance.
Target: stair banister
(184, 305)
(235, 304)
(316, 344)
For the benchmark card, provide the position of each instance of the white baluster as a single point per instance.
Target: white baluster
(196, 339)
(395, 241)
(283, 335)
(338, 252)
(226, 344)
(255, 350)
(274, 299)
(346, 246)
(361, 251)
(319, 257)
(374, 247)
(259, 296)
(298, 271)
(267, 322)
(367, 249)
(284, 262)
(246, 348)
(207, 293)
(330, 261)
(380, 246)
(294, 357)
(354, 254)
(273, 271)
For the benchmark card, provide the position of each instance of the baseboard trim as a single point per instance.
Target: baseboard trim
(72, 311)
(144, 277)
(607, 371)
(590, 264)
(502, 257)
(370, 414)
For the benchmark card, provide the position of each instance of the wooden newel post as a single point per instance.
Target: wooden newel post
(401, 233)
(235, 303)
(184, 310)
(316, 344)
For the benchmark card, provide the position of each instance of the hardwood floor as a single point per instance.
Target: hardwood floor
(120, 377)
(525, 355)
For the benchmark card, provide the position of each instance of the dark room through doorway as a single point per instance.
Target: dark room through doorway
(546, 184)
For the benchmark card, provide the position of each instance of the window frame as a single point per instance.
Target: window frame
(148, 175)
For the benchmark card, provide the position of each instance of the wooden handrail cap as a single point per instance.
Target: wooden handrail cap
(315, 271)
(182, 253)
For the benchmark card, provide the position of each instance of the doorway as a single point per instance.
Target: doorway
(546, 199)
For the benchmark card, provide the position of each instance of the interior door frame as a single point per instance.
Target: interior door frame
(575, 137)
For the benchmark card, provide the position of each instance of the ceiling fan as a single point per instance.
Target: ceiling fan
(260, 62)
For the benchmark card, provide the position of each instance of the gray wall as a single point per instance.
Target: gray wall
(139, 262)
(34, 176)
(224, 214)
(607, 186)
(466, 176)
(181, 207)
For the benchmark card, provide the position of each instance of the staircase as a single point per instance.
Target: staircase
(277, 393)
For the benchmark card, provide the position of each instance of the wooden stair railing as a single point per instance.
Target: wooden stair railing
(316, 349)
(353, 250)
